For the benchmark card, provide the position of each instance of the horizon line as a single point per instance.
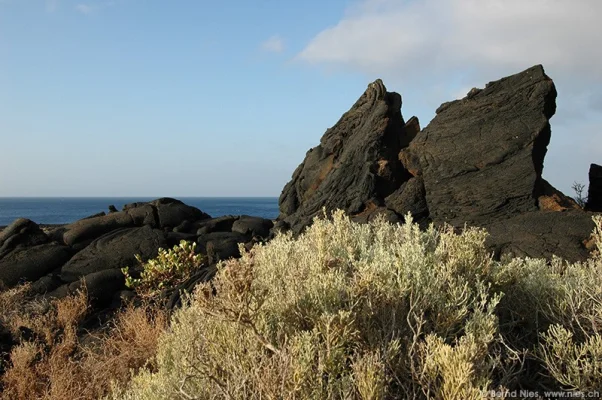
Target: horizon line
(144, 196)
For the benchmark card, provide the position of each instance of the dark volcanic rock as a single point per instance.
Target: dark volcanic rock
(542, 234)
(174, 296)
(116, 249)
(221, 245)
(46, 284)
(31, 263)
(412, 128)
(21, 233)
(594, 193)
(409, 198)
(172, 212)
(479, 162)
(219, 224)
(6, 344)
(92, 228)
(101, 286)
(26, 253)
(100, 214)
(481, 157)
(162, 213)
(185, 227)
(355, 165)
(255, 226)
(372, 211)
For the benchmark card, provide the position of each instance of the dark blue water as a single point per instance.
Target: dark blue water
(65, 210)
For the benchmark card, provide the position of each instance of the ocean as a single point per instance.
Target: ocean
(56, 210)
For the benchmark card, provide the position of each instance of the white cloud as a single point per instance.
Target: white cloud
(274, 44)
(432, 50)
(418, 37)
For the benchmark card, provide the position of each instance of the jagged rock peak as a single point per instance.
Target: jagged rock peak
(376, 95)
(377, 89)
(356, 164)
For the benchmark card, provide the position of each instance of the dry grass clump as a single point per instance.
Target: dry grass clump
(53, 362)
(378, 311)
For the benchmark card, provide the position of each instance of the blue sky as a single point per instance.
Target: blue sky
(194, 98)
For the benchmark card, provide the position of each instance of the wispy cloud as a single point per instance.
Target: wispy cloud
(85, 9)
(89, 8)
(274, 44)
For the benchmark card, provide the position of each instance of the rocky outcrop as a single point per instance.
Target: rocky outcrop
(594, 192)
(164, 213)
(27, 253)
(355, 166)
(481, 158)
(31, 263)
(479, 162)
(21, 233)
(114, 250)
(254, 226)
(93, 250)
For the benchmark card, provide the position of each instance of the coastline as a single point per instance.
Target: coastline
(44, 227)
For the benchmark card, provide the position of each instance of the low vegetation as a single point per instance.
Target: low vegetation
(376, 311)
(344, 311)
(57, 359)
(580, 198)
(167, 270)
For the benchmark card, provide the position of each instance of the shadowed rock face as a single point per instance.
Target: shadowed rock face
(594, 192)
(479, 162)
(542, 234)
(355, 166)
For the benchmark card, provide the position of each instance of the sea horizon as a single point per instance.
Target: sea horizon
(145, 197)
(49, 210)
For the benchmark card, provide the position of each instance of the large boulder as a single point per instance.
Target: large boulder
(32, 263)
(594, 193)
(115, 250)
(21, 233)
(164, 213)
(254, 226)
(221, 245)
(100, 286)
(356, 164)
(92, 228)
(219, 224)
(27, 254)
(481, 158)
(171, 212)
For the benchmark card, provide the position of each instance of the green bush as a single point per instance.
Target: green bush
(168, 269)
(377, 311)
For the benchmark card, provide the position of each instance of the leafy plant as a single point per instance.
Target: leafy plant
(168, 269)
